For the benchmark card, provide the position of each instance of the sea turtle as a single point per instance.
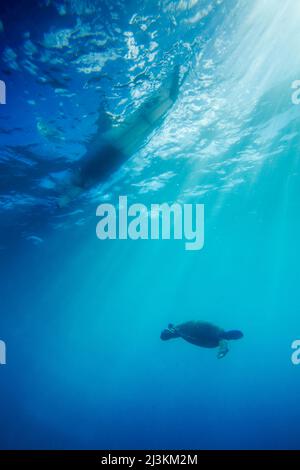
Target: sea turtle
(203, 334)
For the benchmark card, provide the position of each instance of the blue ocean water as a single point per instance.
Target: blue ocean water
(81, 317)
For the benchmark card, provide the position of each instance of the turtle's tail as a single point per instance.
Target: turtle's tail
(169, 333)
(232, 334)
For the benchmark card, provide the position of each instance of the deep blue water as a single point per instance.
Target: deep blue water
(81, 317)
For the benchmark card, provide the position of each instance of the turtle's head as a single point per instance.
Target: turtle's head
(232, 334)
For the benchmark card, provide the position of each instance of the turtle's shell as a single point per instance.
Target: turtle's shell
(200, 333)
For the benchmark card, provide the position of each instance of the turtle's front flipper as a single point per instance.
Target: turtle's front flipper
(223, 349)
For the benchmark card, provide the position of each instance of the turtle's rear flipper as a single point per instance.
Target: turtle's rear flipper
(169, 333)
(223, 349)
